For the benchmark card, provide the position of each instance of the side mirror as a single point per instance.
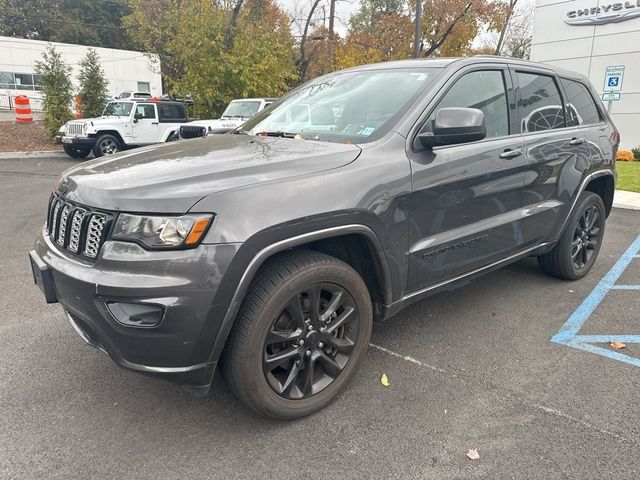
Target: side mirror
(455, 125)
(137, 116)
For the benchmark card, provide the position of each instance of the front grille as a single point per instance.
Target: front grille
(76, 228)
(192, 131)
(74, 128)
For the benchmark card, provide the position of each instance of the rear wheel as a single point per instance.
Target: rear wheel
(578, 247)
(106, 145)
(77, 151)
(300, 335)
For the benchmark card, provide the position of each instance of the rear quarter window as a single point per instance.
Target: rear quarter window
(581, 109)
(171, 113)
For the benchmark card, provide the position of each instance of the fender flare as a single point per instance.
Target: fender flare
(267, 252)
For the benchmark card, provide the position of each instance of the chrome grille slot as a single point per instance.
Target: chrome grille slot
(94, 235)
(76, 229)
(62, 231)
(79, 229)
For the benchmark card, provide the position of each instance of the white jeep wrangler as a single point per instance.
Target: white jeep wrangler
(236, 113)
(123, 124)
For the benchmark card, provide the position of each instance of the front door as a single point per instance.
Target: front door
(466, 201)
(146, 128)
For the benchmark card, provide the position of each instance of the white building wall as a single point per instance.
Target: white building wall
(589, 49)
(123, 68)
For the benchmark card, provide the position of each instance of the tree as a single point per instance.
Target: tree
(93, 85)
(56, 89)
(512, 31)
(85, 22)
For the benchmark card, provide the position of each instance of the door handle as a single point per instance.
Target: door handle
(508, 153)
(154, 123)
(576, 141)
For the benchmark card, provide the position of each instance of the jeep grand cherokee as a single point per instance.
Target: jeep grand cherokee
(271, 249)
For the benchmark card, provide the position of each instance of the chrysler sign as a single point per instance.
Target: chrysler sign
(608, 13)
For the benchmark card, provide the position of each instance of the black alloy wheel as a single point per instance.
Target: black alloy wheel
(575, 253)
(300, 336)
(310, 341)
(586, 237)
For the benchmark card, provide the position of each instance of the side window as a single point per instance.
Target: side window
(484, 90)
(146, 110)
(540, 103)
(581, 110)
(170, 112)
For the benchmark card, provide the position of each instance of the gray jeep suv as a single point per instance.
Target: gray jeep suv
(271, 249)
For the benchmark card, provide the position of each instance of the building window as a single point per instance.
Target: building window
(7, 80)
(144, 87)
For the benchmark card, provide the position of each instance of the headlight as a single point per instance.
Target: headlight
(185, 231)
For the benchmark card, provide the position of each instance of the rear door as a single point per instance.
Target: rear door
(556, 151)
(467, 198)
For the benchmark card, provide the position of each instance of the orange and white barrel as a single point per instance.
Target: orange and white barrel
(76, 107)
(23, 109)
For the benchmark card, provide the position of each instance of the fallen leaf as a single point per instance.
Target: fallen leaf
(617, 345)
(472, 454)
(384, 380)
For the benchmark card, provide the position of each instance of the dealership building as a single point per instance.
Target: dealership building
(601, 40)
(124, 69)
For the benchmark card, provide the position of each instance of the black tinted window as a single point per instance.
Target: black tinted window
(540, 103)
(485, 91)
(170, 112)
(580, 107)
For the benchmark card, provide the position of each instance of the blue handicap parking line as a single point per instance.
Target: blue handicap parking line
(569, 333)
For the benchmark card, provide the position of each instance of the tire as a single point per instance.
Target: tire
(77, 151)
(283, 292)
(578, 247)
(106, 145)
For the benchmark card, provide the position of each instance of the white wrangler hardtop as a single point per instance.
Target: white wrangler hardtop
(123, 124)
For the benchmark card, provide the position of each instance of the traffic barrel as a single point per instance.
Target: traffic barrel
(23, 109)
(76, 107)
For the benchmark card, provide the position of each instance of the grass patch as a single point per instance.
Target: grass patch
(628, 176)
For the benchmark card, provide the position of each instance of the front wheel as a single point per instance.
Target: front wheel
(106, 145)
(77, 151)
(578, 247)
(300, 335)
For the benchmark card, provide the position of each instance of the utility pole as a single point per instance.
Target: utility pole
(418, 35)
(332, 14)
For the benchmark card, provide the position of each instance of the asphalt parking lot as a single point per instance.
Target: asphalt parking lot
(472, 368)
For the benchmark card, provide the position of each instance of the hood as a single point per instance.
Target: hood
(172, 177)
(111, 121)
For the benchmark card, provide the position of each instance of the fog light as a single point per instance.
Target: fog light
(136, 314)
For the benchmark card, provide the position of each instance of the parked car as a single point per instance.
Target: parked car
(127, 95)
(273, 249)
(123, 124)
(236, 113)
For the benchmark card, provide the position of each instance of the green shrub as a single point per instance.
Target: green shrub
(93, 85)
(636, 153)
(56, 89)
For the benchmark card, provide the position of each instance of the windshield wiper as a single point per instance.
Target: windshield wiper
(278, 133)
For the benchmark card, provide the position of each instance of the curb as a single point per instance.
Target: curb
(18, 155)
(626, 200)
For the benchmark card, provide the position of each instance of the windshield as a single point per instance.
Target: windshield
(243, 109)
(358, 106)
(118, 109)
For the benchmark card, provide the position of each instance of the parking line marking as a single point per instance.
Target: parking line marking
(568, 333)
(407, 358)
(608, 338)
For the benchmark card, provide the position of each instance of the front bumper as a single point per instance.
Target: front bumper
(185, 283)
(74, 140)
